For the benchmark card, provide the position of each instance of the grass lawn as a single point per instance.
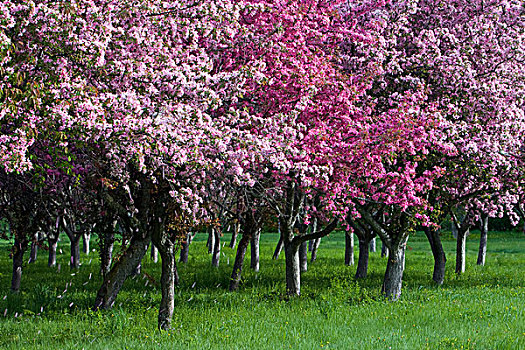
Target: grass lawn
(482, 309)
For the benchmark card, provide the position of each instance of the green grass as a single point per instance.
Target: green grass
(482, 309)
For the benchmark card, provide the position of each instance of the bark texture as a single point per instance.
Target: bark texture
(373, 247)
(106, 251)
(384, 250)
(185, 249)
(438, 253)
(216, 251)
(86, 237)
(303, 256)
(255, 251)
(362, 262)
(235, 233)
(315, 248)
(154, 253)
(34, 249)
(349, 248)
(394, 273)
(19, 249)
(167, 283)
(484, 229)
(239, 260)
(52, 253)
(210, 243)
(293, 271)
(278, 249)
(461, 245)
(120, 271)
(314, 242)
(74, 262)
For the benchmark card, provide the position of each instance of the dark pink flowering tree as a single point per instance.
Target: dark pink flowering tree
(464, 59)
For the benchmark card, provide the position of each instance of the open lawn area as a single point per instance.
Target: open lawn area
(481, 309)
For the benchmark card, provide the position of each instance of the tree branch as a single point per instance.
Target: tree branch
(314, 235)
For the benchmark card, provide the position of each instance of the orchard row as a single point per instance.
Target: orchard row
(153, 119)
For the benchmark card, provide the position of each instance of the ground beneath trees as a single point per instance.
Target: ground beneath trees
(481, 309)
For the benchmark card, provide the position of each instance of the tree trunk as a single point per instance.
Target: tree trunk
(52, 257)
(211, 240)
(293, 271)
(315, 247)
(74, 262)
(313, 244)
(154, 255)
(438, 253)
(19, 249)
(461, 251)
(394, 272)
(454, 230)
(167, 284)
(384, 250)
(235, 233)
(120, 271)
(216, 253)
(303, 256)
(239, 260)
(254, 244)
(185, 249)
(373, 245)
(349, 248)
(106, 252)
(86, 237)
(34, 249)
(278, 249)
(484, 229)
(362, 263)
(136, 271)
(175, 271)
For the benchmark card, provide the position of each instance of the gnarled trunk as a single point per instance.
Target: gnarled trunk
(484, 229)
(393, 280)
(362, 262)
(254, 245)
(121, 270)
(438, 253)
(349, 248)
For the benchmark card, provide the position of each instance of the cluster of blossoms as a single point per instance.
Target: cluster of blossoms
(326, 109)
